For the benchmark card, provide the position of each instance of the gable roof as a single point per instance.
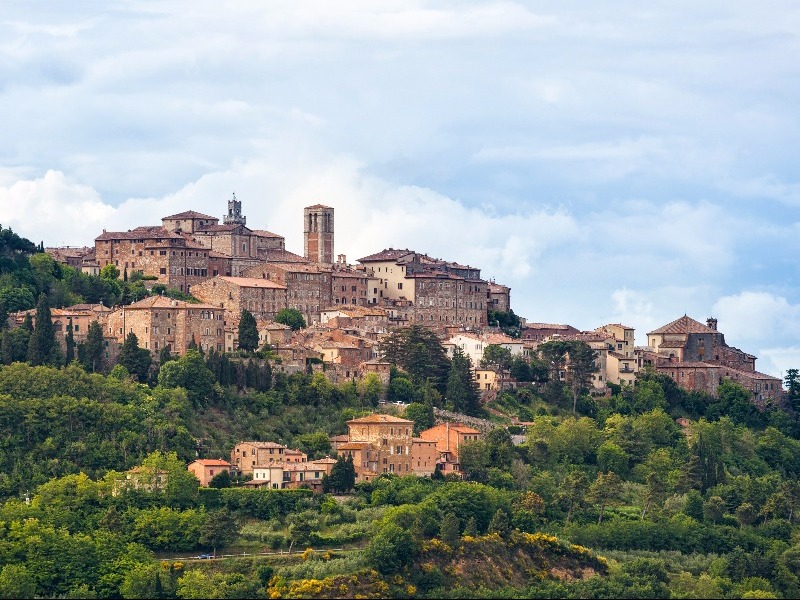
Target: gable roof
(189, 214)
(684, 325)
(380, 418)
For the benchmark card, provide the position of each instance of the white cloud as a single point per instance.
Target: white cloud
(756, 317)
(54, 210)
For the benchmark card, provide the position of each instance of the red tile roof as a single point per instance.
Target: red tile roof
(683, 325)
(189, 214)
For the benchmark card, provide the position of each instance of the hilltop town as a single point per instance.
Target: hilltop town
(393, 419)
(348, 308)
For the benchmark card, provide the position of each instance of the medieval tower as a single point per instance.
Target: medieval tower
(234, 216)
(318, 233)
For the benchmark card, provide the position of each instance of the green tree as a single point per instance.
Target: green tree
(421, 414)
(714, 509)
(471, 528)
(70, 344)
(462, 391)
(370, 389)
(604, 491)
(572, 492)
(291, 317)
(136, 360)
(581, 367)
(196, 585)
(450, 530)
(499, 523)
(496, 357)
(92, 350)
(391, 548)
(792, 382)
(401, 390)
(17, 582)
(248, 331)
(190, 373)
(219, 529)
(342, 478)
(419, 351)
(221, 480)
(109, 272)
(45, 349)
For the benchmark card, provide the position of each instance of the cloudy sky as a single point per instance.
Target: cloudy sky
(609, 165)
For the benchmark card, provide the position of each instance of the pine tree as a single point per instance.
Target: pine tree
(462, 390)
(499, 523)
(449, 530)
(471, 529)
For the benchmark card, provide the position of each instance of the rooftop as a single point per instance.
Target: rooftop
(380, 418)
(683, 325)
(189, 214)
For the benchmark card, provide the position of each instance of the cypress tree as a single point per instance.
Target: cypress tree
(45, 349)
(93, 349)
(70, 341)
(248, 331)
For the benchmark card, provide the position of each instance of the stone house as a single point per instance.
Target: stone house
(308, 286)
(449, 437)
(697, 357)
(205, 469)
(390, 439)
(245, 456)
(261, 297)
(170, 257)
(160, 322)
(440, 293)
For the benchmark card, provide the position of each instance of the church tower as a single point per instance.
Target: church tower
(234, 216)
(318, 233)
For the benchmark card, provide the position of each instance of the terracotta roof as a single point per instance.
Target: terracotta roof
(496, 287)
(459, 427)
(144, 232)
(353, 445)
(263, 444)
(164, 302)
(189, 214)
(380, 418)
(253, 282)
(265, 233)
(384, 255)
(549, 326)
(319, 206)
(214, 228)
(275, 255)
(684, 325)
(212, 462)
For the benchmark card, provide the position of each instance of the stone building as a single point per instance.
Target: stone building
(449, 437)
(160, 322)
(498, 297)
(308, 286)
(697, 358)
(246, 456)
(438, 293)
(390, 439)
(262, 297)
(170, 257)
(318, 234)
(233, 245)
(205, 469)
(349, 286)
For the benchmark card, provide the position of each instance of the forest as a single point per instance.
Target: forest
(646, 492)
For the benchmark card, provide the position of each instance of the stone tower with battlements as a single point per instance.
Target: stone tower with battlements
(234, 216)
(318, 233)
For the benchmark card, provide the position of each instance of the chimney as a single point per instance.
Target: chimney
(711, 322)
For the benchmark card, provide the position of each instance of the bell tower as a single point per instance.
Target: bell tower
(234, 216)
(318, 233)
